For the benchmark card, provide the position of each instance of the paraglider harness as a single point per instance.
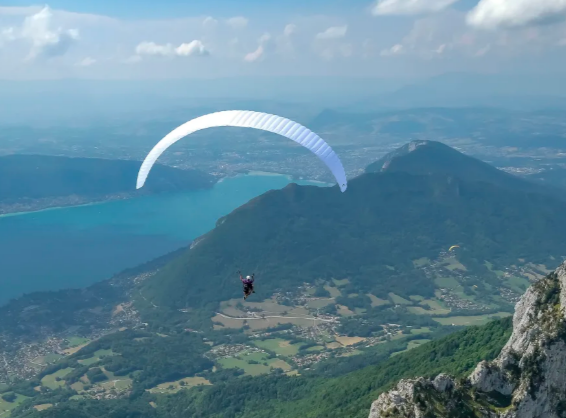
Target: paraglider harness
(248, 284)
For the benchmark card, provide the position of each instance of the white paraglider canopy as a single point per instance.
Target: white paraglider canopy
(255, 120)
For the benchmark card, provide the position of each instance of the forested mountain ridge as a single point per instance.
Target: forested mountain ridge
(370, 234)
(37, 181)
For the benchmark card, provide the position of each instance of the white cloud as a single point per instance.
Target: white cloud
(151, 48)
(209, 22)
(410, 7)
(255, 55)
(45, 41)
(394, 50)
(441, 48)
(334, 32)
(193, 48)
(290, 29)
(238, 22)
(493, 14)
(265, 41)
(86, 62)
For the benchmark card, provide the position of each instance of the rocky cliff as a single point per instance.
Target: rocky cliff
(527, 379)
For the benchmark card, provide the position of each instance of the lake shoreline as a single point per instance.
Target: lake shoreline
(129, 196)
(76, 246)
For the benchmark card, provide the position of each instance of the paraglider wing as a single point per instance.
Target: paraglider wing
(255, 120)
(454, 246)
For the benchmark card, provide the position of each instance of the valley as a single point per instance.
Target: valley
(291, 332)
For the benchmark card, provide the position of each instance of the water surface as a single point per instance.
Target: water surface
(77, 246)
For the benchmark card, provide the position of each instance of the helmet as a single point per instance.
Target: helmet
(248, 277)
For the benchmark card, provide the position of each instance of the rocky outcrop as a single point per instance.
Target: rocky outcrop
(526, 380)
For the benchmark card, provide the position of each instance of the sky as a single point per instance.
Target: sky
(170, 39)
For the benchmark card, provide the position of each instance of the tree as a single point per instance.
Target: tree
(9, 397)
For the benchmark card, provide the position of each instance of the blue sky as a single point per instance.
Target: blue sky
(143, 39)
(173, 8)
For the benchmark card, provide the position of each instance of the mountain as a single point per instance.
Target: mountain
(467, 89)
(481, 129)
(431, 157)
(309, 396)
(526, 380)
(349, 395)
(505, 369)
(555, 176)
(157, 327)
(43, 181)
(370, 234)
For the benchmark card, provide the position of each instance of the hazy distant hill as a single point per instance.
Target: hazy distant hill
(25, 178)
(431, 157)
(481, 124)
(371, 233)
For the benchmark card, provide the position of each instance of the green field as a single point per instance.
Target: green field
(319, 303)
(470, 320)
(415, 343)
(339, 283)
(448, 282)
(50, 381)
(119, 384)
(412, 344)
(76, 341)
(279, 346)
(421, 262)
(249, 369)
(334, 292)
(173, 387)
(96, 357)
(518, 283)
(6, 407)
(89, 361)
(243, 359)
(418, 331)
(398, 300)
(454, 264)
(375, 301)
(47, 359)
(435, 308)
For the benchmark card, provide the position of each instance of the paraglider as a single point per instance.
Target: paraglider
(454, 246)
(248, 283)
(255, 120)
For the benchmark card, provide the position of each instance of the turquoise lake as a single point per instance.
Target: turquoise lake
(76, 246)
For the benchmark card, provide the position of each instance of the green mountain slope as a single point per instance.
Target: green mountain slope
(290, 397)
(370, 234)
(40, 176)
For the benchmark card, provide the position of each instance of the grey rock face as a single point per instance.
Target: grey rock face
(530, 370)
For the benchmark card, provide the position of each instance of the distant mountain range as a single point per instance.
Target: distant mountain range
(38, 181)
(481, 124)
(424, 201)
